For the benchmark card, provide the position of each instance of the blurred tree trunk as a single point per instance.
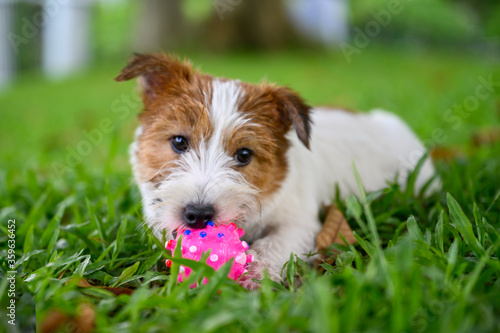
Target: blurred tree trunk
(161, 25)
(256, 24)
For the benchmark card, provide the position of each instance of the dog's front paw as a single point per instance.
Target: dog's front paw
(254, 272)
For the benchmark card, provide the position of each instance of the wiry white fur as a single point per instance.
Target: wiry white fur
(379, 143)
(204, 174)
(224, 113)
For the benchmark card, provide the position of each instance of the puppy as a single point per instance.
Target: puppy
(257, 155)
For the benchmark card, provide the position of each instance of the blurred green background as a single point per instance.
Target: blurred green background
(415, 58)
(65, 127)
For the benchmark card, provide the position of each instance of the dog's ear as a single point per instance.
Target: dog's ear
(295, 111)
(158, 74)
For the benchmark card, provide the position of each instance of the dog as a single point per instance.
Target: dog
(257, 155)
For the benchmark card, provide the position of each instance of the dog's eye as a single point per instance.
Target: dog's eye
(243, 156)
(180, 144)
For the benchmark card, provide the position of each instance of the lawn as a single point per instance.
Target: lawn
(420, 265)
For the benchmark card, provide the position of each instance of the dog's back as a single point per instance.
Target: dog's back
(379, 143)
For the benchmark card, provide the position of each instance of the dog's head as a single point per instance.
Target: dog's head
(209, 148)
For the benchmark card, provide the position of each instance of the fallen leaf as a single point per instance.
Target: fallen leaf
(115, 290)
(486, 137)
(446, 154)
(57, 321)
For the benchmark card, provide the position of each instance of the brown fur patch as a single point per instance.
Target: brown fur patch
(176, 100)
(174, 97)
(269, 166)
(275, 110)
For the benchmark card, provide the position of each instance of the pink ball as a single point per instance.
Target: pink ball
(224, 243)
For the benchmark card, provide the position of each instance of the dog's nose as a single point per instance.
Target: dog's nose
(196, 216)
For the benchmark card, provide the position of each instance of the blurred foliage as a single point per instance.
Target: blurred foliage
(438, 268)
(491, 17)
(114, 24)
(26, 36)
(422, 265)
(113, 27)
(418, 84)
(432, 20)
(196, 10)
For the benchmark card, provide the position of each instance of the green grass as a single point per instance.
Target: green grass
(421, 264)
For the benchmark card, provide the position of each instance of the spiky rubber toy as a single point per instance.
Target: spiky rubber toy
(223, 242)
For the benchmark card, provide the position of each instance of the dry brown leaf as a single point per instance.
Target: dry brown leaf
(115, 290)
(486, 137)
(446, 154)
(57, 321)
(335, 225)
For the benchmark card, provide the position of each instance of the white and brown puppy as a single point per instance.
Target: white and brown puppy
(257, 155)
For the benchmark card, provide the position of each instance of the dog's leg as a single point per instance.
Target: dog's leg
(272, 251)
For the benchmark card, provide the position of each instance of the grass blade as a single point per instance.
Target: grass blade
(120, 239)
(414, 230)
(126, 274)
(368, 212)
(464, 226)
(35, 213)
(413, 175)
(174, 269)
(439, 233)
(29, 240)
(355, 209)
(110, 202)
(452, 260)
(479, 225)
(290, 271)
(97, 222)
